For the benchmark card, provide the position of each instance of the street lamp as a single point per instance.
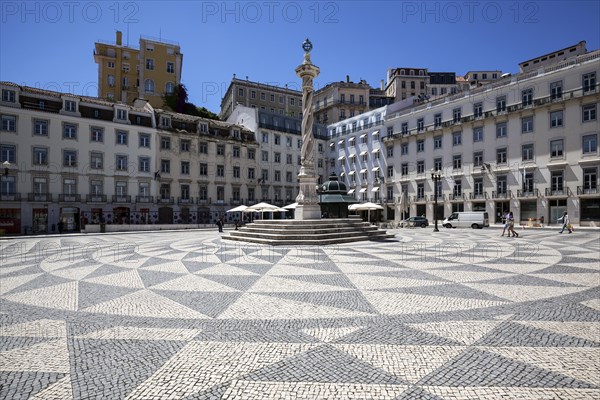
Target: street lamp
(436, 176)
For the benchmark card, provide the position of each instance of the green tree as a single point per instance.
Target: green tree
(178, 102)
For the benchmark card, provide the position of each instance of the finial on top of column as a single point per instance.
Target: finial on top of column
(307, 47)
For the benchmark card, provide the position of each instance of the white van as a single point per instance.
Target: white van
(473, 219)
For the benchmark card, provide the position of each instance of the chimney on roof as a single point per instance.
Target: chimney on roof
(347, 78)
(119, 38)
(381, 86)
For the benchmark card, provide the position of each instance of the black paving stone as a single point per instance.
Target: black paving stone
(476, 367)
(103, 369)
(324, 364)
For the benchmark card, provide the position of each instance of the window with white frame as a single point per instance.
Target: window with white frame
(557, 148)
(170, 67)
(70, 106)
(404, 149)
(97, 134)
(478, 134)
(144, 164)
(420, 124)
(185, 167)
(8, 153)
(590, 144)
(149, 64)
(121, 162)
(69, 186)
(40, 127)
(69, 131)
(96, 160)
(165, 166)
(501, 130)
(122, 137)
(165, 143)
(556, 90)
(590, 180)
(556, 118)
(404, 169)
(502, 155)
(121, 114)
(40, 156)
(500, 103)
(588, 112)
(8, 96)
(527, 152)
(69, 158)
(457, 138)
(457, 161)
(588, 82)
(527, 124)
(478, 158)
(9, 123)
(420, 167)
(527, 97)
(40, 185)
(185, 145)
(236, 171)
(437, 164)
(121, 188)
(8, 185)
(145, 140)
(437, 120)
(390, 151)
(420, 145)
(236, 151)
(203, 148)
(203, 169)
(149, 86)
(477, 110)
(264, 156)
(390, 171)
(456, 113)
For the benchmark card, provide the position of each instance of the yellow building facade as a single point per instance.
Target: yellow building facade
(148, 72)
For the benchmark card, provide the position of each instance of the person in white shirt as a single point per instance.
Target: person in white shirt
(566, 223)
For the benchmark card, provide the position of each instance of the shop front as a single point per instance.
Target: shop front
(69, 219)
(121, 215)
(40, 220)
(10, 220)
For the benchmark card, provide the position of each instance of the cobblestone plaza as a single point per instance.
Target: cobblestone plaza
(459, 314)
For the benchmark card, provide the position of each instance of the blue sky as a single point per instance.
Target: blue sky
(50, 44)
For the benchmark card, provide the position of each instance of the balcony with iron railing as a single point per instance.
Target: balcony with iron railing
(587, 191)
(457, 197)
(528, 193)
(10, 196)
(502, 195)
(419, 198)
(95, 198)
(564, 192)
(440, 197)
(478, 196)
(121, 198)
(185, 200)
(166, 200)
(39, 197)
(144, 199)
(204, 202)
(69, 198)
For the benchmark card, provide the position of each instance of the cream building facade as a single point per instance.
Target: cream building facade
(81, 160)
(526, 143)
(127, 73)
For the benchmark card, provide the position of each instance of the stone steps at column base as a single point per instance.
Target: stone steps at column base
(308, 232)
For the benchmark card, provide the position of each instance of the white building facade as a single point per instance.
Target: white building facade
(527, 143)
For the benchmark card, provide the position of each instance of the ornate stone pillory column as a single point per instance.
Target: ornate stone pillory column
(308, 205)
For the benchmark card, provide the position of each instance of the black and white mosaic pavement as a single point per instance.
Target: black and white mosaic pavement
(458, 314)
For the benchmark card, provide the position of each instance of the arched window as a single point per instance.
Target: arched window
(149, 86)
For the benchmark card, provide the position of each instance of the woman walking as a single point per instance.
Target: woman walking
(566, 223)
(511, 225)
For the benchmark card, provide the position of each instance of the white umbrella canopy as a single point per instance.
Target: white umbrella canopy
(291, 206)
(368, 206)
(262, 207)
(238, 208)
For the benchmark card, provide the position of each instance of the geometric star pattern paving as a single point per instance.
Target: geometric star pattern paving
(458, 314)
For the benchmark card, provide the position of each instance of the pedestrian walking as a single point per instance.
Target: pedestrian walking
(511, 225)
(220, 224)
(566, 223)
(505, 227)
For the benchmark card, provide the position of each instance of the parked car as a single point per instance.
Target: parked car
(415, 221)
(473, 219)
